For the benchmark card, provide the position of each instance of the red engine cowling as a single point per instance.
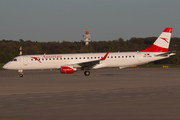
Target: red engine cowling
(67, 70)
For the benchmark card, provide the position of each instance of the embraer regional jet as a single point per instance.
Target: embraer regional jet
(68, 63)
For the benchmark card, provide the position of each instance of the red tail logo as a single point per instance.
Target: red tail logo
(165, 39)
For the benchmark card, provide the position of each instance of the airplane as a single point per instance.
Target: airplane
(69, 63)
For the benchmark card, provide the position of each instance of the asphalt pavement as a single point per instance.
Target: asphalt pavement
(107, 94)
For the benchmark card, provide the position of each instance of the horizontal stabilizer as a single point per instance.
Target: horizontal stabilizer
(170, 53)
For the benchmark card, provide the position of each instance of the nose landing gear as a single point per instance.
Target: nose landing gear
(20, 73)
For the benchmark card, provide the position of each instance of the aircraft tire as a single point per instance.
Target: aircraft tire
(86, 73)
(20, 75)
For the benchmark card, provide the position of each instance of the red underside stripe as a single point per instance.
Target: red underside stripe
(155, 48)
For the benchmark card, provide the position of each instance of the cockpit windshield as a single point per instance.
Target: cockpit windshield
(14, 59)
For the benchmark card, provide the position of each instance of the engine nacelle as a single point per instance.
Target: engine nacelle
(67, 69)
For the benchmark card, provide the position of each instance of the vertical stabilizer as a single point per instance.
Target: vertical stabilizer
(162, 42)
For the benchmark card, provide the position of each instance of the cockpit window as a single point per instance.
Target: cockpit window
(14, 60)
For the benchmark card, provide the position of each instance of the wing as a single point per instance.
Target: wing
(89, 64)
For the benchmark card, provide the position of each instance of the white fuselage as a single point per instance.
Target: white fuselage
(55, 61)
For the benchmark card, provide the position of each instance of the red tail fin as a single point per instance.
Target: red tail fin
(162, 42)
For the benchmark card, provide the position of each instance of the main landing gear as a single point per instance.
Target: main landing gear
(86, 73)
(20, 73)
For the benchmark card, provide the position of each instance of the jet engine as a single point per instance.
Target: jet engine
(67, 69)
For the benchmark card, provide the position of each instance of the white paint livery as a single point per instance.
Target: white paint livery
(68, 63)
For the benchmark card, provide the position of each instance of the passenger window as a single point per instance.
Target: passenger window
(71, 58)
(91, 57)
(87, 57)
(42, 59)
(80, 58)
(57, 58)
(84, 57)
(118, 56)
(122, 56)
(111, 56)
(108, 57)
(46, 58)
(64, 58)
(94, 57)
(49, 58)
(129, 56)
(68, 58)
(31, 59)
(114, 56)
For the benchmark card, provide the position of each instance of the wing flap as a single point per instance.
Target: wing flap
(89, 64)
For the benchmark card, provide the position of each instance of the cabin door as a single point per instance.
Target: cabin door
(139, 56)
(25, 60)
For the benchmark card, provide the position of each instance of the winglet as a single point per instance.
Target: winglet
(36, 59)
(105, 56)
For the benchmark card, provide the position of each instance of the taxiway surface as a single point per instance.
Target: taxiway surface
(133, 93)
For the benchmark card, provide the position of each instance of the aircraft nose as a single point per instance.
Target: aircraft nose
(5, 66)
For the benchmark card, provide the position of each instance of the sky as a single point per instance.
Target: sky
(66, 20)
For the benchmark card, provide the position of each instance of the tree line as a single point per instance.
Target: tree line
(10, 48)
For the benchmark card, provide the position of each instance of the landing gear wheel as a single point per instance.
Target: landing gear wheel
(86, 73)
(20, 75)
